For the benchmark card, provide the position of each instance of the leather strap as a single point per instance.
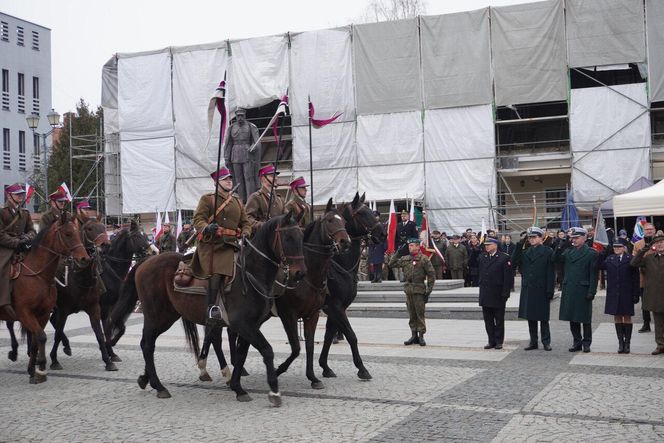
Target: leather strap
(221, 207)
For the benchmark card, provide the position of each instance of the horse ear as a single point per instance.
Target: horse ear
(363, 197)
(330, 205)
(356, 200)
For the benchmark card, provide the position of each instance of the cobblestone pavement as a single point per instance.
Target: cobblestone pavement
(449, 391)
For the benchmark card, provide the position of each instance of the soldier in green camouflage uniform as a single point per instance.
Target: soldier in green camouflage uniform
(420, 278)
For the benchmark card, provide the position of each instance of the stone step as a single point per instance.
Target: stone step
(466, 311)
(467, 295)
(392, 285)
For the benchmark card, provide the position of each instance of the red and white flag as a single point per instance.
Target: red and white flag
(601, 239)
(412, 210)
(178, 229)
(158, 229)
(391, 228)
(63, 188)
(29, 190)
(427, 246)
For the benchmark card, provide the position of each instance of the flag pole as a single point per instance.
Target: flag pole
(311, 161)
(276, 157)
(216, 181)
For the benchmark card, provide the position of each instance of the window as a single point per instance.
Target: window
(21, 150)
(20, 39)
(4, 31)
(36, 152)
(35, 40)
(6, 150)
(555, 200)
(35, 95)
(5, 90)
(21, 93)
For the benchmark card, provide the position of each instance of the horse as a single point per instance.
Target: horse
(34, 289)
(276, 245)
(342, 282)
(82, 293)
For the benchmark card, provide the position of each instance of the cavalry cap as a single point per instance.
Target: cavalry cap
(221, 174)
(16, 188)
(265, 170)
(534, 231)
(489, 240)
(84, 205)
(58, 196)
(576, 232)
(299, 183)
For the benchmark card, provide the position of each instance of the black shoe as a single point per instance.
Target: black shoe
(530, 347)
(575, 348)
(645, 327)
(412, 340)
(586, 348)
(421, 339)
(547, 347)
(499, 346)
(489, 346)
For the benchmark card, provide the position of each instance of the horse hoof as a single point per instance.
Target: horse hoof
(36, 379)
(317, 385)
(364, 374)
(67, 350)
(115, 358)
(12, 355)
(142, 381)
(244, 373)
(329, 373)
(205, 377)
(164, 394)
(275, 399)
(56, 366)
(243, 398)
(110, 366)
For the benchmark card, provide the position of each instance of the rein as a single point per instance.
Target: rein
(56, 256)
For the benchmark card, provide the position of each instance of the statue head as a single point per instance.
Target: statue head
(241, 115)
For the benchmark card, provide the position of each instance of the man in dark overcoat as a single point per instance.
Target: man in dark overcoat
(495, 281)
(579, 287)
(456, 258)
(652, 266)
(537, 285)
(376, 257)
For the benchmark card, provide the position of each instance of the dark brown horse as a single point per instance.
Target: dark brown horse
(82, 292)
(277, 245)
(34, 289)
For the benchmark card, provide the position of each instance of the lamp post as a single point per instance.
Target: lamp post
(33, 122)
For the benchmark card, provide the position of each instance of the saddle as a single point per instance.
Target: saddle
(185, 281)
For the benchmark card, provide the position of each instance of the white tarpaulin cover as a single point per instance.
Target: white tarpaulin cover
(109, 95)
(387, 67)
(458, 220)
(259, 71)
(655, 31)
(321, 67)
(605, 32)
(395, 142)
(528, 44)
(456, 59)
(610, 140)
(649, 201)
(196, 74)
(109, 101)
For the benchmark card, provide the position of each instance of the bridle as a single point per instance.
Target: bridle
(56, 255)
(333, 247)
(368, 229)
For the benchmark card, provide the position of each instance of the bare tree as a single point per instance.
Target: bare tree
(387, 10)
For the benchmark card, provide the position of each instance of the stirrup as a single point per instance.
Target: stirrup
(216, 317)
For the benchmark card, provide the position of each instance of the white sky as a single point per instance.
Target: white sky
(86, 33)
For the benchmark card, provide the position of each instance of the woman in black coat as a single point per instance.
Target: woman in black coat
(622, 291)
(474, 251)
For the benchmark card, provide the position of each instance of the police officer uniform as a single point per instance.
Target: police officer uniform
(495, 281)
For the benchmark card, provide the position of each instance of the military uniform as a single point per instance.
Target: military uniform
(182, 240)
(16, 227)
(166, 242)
(420, 278)
(49, 217)
(405, 230)
(244, 164)
(495, 279)
(257, 206)
(299, 208)
(651, 264)
(456, 257)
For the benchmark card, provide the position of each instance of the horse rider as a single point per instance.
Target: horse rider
(298, 203)
(166, 242)
(219, 230)
(56, 203)
(259, 201)
(16, 234)
(84, 212)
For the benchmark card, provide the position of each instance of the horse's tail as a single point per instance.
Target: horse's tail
(124, 306)
(191, 333)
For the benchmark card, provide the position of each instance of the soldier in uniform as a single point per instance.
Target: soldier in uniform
(406, 229)
(650, 259)
(495, 280)
(16, 235)
(56, 202)
(184, 237)
(242, 161)
(84, 212)
(537, 285)
(219, 229)
(456, 257)
(420, 278)
(437, 262)
(166, 242)
(298, 203)
(648, 234)
(579, 287)
(257, 205)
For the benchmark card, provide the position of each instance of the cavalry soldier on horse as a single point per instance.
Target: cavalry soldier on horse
(219, 230)
(264, 203)
(16, 235)
(84, 212)
(56, 202)
(297, 204)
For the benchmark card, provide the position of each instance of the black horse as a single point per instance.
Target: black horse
(342, 282)
(277, 245)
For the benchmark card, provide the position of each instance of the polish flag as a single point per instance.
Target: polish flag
(601, 239)
(412, 210)
(63, 188)
(178, 229)
(29, 190)
(391, 228)
(158, 229)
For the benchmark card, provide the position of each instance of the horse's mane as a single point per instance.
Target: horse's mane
(40, 237)
(267, 228)
(309, 230)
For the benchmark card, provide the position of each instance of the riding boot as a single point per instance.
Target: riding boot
(216, 314)
(412, 340)
(621, 338)
(421, 339)
(627, 335)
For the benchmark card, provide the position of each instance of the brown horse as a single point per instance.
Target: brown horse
(34, 289)
(82, 292)
(276, 245)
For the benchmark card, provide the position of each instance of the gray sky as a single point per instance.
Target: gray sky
(86, 33)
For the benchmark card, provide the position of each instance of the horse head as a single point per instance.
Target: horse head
(93, 234)
(333, 228)
(67, 241)
(360, 220)
(287, 246)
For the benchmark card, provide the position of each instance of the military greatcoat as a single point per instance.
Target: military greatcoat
(234, 218)
(257, 205)
(537, 280)
(13, 224)
(49, 217)
(580, 281)
(652, 266)
(300, 208)
(622, 284)
(495, 279)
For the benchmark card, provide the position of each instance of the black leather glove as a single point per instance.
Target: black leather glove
(24, 245)
(550, 295)
(211, 229)
(590, 297)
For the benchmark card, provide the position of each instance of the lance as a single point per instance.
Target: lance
(311, 161)
(282, 116)
(221, 106)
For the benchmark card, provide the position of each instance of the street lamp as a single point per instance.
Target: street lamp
(33, 122)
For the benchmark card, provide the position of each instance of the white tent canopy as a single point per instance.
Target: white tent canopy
(648, 201)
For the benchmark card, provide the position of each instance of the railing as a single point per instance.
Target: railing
(21, 161)
(21, 104)
(5, 101)
(35, 105)
(36, 161)
(6, 159)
